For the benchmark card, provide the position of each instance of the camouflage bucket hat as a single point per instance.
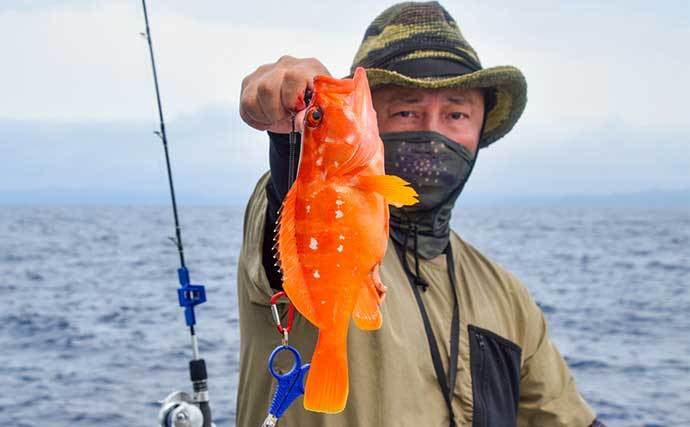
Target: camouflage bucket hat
(420, 45)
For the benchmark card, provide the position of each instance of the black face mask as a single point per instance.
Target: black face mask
(438, 168)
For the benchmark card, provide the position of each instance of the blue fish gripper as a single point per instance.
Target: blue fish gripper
(189, 295)
(290, 384)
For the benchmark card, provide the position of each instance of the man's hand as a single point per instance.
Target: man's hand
(271, 92)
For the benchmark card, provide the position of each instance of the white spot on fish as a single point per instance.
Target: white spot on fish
(313, 244)
(319, 161)
(340, 248)
(337, 265)
(338, 214)
(335, 163)
(308, 208)
(316, 274)
(341, 237)
(339, 202)
(323, 301)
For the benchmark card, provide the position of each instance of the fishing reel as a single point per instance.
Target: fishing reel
(179, 409)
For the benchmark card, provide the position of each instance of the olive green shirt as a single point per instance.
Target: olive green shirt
(392, 378)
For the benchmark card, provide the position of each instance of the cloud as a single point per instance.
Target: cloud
(81, 60)
(91, 64)
(606, 110)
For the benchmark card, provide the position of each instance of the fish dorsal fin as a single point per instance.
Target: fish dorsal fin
(293, 276)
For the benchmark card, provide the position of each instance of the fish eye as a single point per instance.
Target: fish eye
(313, 117)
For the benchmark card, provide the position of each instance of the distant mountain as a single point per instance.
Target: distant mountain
(217, 159)
(649, 198)
(113, 197)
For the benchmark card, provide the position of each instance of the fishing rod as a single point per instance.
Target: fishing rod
(179, 409)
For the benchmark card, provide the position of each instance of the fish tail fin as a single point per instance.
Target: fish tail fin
(327, 382)
(293, 277)
(366, 314)
(394, 189)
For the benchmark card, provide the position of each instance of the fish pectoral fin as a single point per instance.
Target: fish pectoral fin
(394, 189)
(293, 276)
(366, 314)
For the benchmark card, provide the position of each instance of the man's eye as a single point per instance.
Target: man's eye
(458, 115)
(404, 114)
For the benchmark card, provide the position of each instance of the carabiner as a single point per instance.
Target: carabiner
(276, 317)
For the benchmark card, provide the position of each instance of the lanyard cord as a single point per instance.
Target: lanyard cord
(292, 160)
(445, 382)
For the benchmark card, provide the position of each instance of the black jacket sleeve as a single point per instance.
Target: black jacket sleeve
(276, 189)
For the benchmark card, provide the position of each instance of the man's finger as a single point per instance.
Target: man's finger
(251, 113)
(252, 122)
(268, 94)
(292, 90)
(299, 121)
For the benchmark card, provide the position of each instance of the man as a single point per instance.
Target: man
(462, 342)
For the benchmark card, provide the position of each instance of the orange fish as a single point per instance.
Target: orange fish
(333, 228)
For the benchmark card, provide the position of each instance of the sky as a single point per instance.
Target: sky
(607, 105)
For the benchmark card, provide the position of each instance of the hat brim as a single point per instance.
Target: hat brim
(508, 82)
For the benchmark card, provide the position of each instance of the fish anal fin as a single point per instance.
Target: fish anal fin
(293, 276)
(366, 314)
(394, 189)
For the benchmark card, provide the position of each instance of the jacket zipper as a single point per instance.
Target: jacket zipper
(480, 377)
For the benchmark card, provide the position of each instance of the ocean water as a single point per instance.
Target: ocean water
(91, 334)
